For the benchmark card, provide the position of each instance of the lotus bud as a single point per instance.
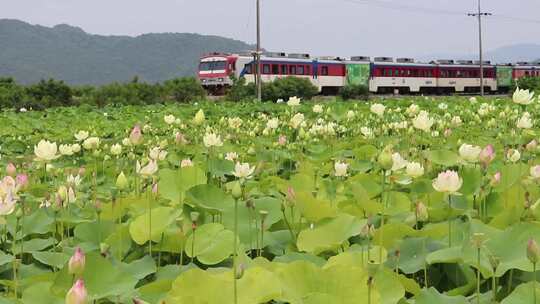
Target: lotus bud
(532, 146)
(77, 262)
(385, 158)
(421, 212)
(77, 294)
(263, 214)
(11, 170)
(533, 251)
(63, 193)
(104, 249)
(478, 239)
(139, 301)
(282, 141)
(155, 188)
(22, 180)
(236, 190)
(487, 155)
(240, 271)
(199, 117)
(194, 216)
(121, 181)
(135, 137)
(368, 231)
(19, 213)
(496, 179)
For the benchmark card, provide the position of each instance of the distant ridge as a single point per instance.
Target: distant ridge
(32, 52)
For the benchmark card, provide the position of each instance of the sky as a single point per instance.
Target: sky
(320, 27)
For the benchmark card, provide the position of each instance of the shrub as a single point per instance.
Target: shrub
(287, 87)
(354, 91)
(239, 91)
(184, 89)
(12, 95)
(50, 93)
(528, 83)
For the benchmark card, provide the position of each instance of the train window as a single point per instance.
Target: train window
(429, 73)
(249, 69)
(308, 70)
(459, 73)
(275, 69)
(526, 73)
(324, 70)
(396, 72)
(284, 69)
(292, 70)
(300, 70)
(266, 69)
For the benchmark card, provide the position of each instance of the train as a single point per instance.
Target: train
(380, 74)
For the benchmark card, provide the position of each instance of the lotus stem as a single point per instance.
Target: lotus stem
(478, 276)
(449, 221)
(534, 282)
(149, 222)
(235, 255)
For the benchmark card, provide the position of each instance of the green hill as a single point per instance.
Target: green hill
(32, 52)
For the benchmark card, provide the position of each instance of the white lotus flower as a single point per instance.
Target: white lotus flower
(212, 140)
(513, 155)
(169, 119)
(272, 123)
(116, 149)
(414, 170)
(523, 97)
(535, 172)
(91, 143)
(340, 169)
(378, 109)
(525, 122)
(318, 109)
(76, 148)
(81, 135)
(423, 121)
(367, 132)
(448, 182)
(398, 162)
(46, 151)
(148, 170)
(186, 163)
(231, 156)
(243, 170)
(293, 101)
(66, 150)
(297, 120)
(469, 153)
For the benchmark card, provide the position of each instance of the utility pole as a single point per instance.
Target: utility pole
(258, 53)
(479, 14)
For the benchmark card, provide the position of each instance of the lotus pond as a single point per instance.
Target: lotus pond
(416, 200)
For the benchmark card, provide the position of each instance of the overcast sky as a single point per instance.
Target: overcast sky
(321, 27)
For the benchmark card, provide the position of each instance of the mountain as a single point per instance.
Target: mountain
(32, 52)
(505, 54)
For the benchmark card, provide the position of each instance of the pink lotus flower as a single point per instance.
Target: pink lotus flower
(487, 155)
(282, 141)
(77, 262)
(11, 170)
(21, 180)
(136, 135)
(77, 294)
(496, 179)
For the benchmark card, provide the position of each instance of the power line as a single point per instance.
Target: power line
(479, 15)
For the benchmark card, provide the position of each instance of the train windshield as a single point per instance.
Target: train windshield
(213, 65)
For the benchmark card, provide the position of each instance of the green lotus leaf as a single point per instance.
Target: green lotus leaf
(213, 244)
(328, 234)
(523, 294)
(196, 286)
(209, 197)
(174, 183)
(442, 157)
(54, 259)
(40, 293)
(161, 218)
(431, 296)
(314, 209)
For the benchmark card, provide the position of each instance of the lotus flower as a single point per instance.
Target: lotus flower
(212, 140)
(535, 172)
(487, 155)
(121, 181)
(46, 151)
(293, 101)
(398, 162)
(340, 169)
(513, 155)
(147, 171)
(116, 149)
(414, 170)
(169, 119)
(91, 143)
(469, 153)
(524, 122)
(423, 121)
(77, 294)
(77, 262)
(81, 135)
(135, 137)
(318, 109)
(448, 182)
(297, 120)
(186, 163)
(377, 109)
(533, 251)
(11, 170)
(243, 171)
(199, 117)
(523, 97)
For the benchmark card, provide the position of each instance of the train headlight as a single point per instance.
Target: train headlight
(220, 80)
(204, 80)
